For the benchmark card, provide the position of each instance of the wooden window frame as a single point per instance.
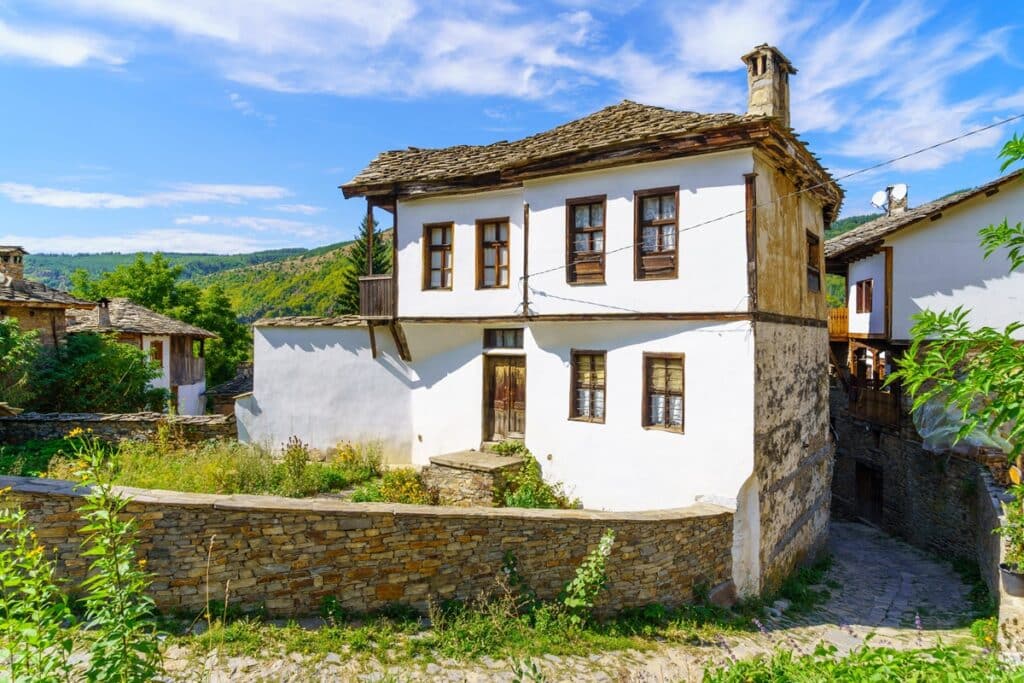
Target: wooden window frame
(573, 370)
(160, 360)
(814, 242)
(518, 330)
(481, 248)
(429, 249)
(645, 396)
(638, 229)
(864, 291)
(571, 276)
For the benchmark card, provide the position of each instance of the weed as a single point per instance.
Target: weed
(580, 594)
(396, 486)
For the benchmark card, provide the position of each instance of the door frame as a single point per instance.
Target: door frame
(487, 405)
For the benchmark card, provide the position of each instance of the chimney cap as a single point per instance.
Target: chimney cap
(779, 58)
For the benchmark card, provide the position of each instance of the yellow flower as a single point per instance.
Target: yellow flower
(142, 563)
(77, 431)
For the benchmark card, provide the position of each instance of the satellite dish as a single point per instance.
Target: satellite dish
(879, 199)
(899, 191)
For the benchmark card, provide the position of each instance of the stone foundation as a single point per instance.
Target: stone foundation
(114, 427)
(288, 555)
(470, 478)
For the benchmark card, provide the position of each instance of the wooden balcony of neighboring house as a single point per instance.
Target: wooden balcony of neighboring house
(871, 401)
(838, 324)
(377, 297)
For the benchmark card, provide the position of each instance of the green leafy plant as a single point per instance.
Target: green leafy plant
(35, 644)
(19, 352)
(581, 593)
(527, 488)
(1012, 529)
(117, 608)
(402, 485)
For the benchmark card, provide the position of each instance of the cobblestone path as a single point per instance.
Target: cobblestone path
(882, 585)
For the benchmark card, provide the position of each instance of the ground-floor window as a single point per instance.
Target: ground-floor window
(664, 383)
(588, 386)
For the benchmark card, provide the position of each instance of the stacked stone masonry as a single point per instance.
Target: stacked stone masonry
(287, 555)
(470, 478)
(114, 427)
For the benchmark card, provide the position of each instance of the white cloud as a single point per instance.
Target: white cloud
(182, 193)
(247, 108)
(257, 224)
(304, 209)
(166, 240)
(56, 46)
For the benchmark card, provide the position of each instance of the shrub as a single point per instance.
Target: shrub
(580, 594)
(19, 352)
(396, 486)
(527, 488)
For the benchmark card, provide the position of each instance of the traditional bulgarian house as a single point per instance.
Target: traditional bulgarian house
(909, 260)
(34, 305)
(636, 294)
(177, 347)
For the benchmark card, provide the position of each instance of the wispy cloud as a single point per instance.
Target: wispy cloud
(239, 103)
(257, 224)
(56, 46)
(166, 240)
(304, 209)
(183, 193)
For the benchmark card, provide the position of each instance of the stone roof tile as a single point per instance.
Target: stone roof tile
(126, 316)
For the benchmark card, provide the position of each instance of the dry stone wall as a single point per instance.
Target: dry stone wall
(114, 427)
(287, 555)
(470, 478)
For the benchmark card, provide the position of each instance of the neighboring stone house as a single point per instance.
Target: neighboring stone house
(636, 294)
(909, 260)
(221, 398)
(34, 305)
(179, 348)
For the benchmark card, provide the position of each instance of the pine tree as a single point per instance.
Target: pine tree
(355, 266)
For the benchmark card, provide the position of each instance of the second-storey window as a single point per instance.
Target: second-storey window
(585, 240)
(156, 352)
(588, 380)
(813, 262)
(655, 233)
(492, 253)
(664, 391)
(437, 255)
(865, 291)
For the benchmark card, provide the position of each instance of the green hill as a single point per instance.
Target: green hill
(55, 269)
(849, 223)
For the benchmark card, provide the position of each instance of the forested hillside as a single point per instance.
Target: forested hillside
(835, 285)
(55, 269)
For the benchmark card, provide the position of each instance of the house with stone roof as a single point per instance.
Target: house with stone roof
(636, 295)
(34, 305)
(177, 347)
(909, 260)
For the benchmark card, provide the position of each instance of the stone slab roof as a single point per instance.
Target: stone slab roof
(311, 321)
(126, 316)
(477, 461)
(29, 292)
(233, 387)
(854, 243)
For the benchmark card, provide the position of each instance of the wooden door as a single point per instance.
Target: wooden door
(869, 493)
(505, 398)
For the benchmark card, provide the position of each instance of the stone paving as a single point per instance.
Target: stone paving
(883, 586)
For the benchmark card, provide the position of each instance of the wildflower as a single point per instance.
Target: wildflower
(76, 432)
(760, 626)
(142, 563)
(917, 622)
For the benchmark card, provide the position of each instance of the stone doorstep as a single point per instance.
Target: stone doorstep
(477, 461)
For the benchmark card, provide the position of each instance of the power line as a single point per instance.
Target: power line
(742, 211)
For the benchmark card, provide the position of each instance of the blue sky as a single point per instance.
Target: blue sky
(191, 125)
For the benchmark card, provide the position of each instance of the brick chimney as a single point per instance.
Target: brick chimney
(103, 313)
(11, 262)
(768, 73)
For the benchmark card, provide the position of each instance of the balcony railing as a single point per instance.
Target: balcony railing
(376, 296)
(838, 323)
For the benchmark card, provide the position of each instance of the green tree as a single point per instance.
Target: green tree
(355, 265)
(214, 312)
(151, 283)
(96, 373)
(979, 371)
(19, 352)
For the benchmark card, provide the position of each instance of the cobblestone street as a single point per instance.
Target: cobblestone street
(882, 582)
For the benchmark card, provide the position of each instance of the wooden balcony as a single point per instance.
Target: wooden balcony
(838, 324)
(869, 402)
(377, 297)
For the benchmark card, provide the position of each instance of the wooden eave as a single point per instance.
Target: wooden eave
(782, 147)
(44, 304)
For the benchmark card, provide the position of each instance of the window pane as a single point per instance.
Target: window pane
(675, 377)
(436, 235)
(488, 277)
(582, 216)
(599, 371)
(582, 242)
(435, 278)
(584, 371)
(598, 238)
(503, 278)
(650, 239)
(657, 376)
(668, 207)
(668, 237)
(446, 235)
(675, 410)
(583, 403)
(435, 259)
(650, 209)
(489, 232)
(598, 403)
(489, 257)
(503, 256)
(503, 232)
(596, 214)
(657, 409)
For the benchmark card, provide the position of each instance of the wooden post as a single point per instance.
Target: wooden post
(369, 236)
(526, 260)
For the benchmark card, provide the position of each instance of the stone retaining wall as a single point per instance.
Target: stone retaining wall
(288, 555)
(114, 427)
(470, 478)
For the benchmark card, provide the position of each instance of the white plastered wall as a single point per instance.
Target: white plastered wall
(191, 400)
(873, 268)
(939, 265)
